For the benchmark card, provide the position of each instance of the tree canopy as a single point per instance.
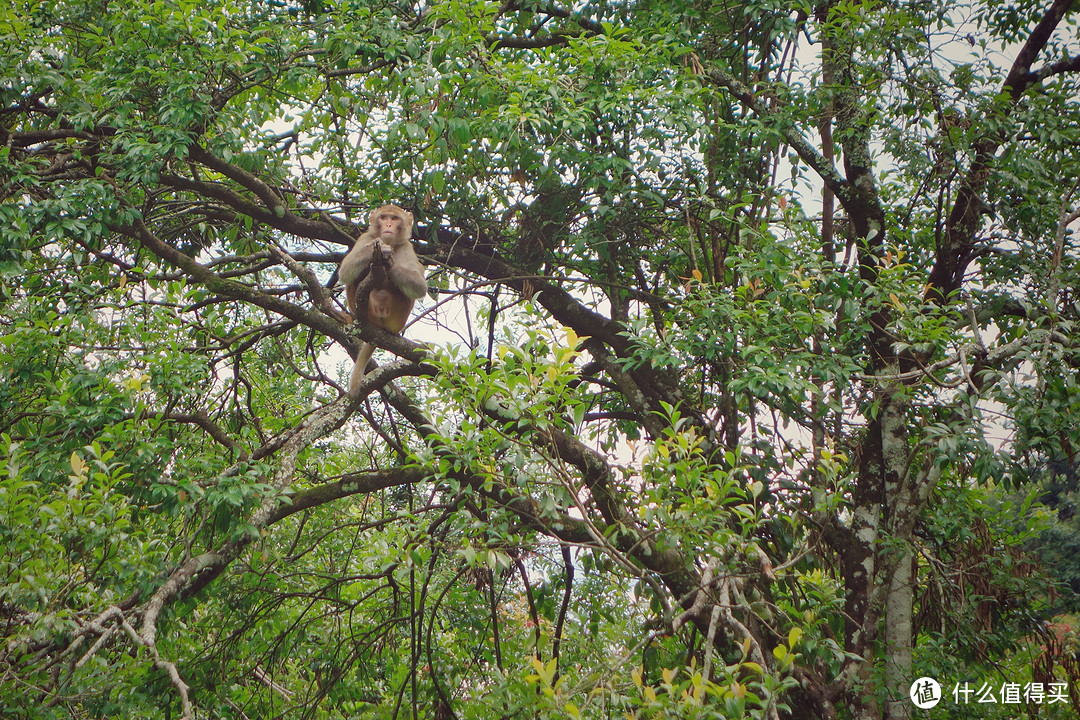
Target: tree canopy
(747, 383)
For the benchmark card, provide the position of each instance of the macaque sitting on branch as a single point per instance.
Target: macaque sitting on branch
(383, 278)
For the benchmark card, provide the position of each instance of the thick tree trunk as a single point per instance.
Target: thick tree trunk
(896, 560)
(898, 639)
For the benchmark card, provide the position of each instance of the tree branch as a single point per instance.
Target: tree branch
(957, 248)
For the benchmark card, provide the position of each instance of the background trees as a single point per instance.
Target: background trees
(742, 318)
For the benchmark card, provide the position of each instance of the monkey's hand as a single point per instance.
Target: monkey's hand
(381, 258)
(382, 254)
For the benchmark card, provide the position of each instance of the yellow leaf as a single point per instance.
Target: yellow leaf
(572, 710)
(793, 636)
(668, 674)
(697, 274)
(650, 694)
(550, 668)
(77, 464)
(635, 675)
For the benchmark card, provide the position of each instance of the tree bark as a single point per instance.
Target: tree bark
(899, 626)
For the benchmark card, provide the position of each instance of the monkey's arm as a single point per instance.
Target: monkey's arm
(357, 261)
(407, 273)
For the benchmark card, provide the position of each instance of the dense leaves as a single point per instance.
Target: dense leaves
(748, 381)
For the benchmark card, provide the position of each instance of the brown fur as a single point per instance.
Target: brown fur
(386, 253)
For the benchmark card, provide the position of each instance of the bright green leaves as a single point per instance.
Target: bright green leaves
(597, 156)
(71, 545)
(763, 329)
(507, 407)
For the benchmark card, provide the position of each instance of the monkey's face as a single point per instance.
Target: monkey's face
(391, 225)
(388, 225)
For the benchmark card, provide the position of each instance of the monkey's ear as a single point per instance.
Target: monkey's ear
(408, 222)
(372, 218)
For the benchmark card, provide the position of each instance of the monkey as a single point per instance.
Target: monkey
(382, 263)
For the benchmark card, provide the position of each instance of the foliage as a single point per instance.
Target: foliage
(747, 388)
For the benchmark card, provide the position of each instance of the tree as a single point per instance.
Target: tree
(714, 442)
